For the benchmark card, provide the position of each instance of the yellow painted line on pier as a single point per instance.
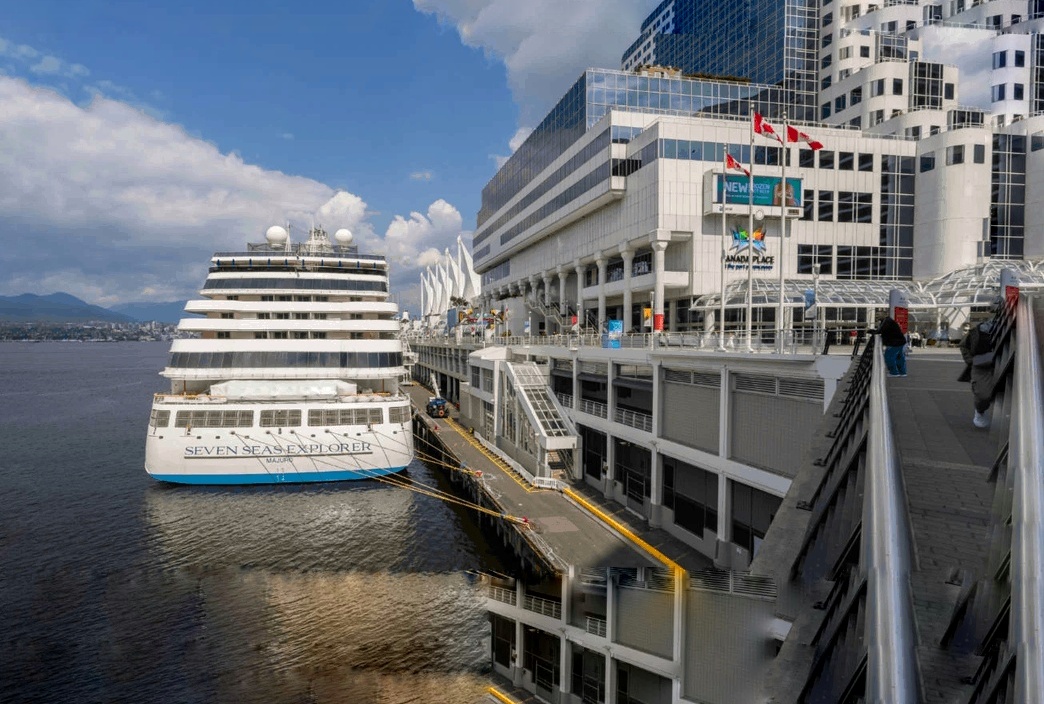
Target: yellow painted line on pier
(492, 457)
(622, 529)
(500, 696)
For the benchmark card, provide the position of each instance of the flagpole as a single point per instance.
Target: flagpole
(782, 239)
(750, 240)
(724, 245)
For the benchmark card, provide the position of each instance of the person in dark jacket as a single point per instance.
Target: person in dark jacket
(894, 342)
(977, 351)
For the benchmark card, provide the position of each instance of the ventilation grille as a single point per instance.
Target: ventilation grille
(708, 379)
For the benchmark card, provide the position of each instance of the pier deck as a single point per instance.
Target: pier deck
(564, 532)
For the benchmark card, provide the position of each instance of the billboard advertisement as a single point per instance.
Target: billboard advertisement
(612, 337)
(768, 190)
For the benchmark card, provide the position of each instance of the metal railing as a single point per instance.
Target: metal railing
(566, 400)
(641, 421)
(595, 626)
(539, 605)
(507, 596)
(731, 582)
(594, 408)
(859, 537)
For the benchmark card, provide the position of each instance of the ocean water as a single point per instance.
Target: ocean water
(114, 587)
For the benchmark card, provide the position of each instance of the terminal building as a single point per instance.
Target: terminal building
(618, 207)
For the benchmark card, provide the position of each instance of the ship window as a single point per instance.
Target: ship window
(376, 415)
(159, 419)
(399, 414)
(213, 419)
(280, 418)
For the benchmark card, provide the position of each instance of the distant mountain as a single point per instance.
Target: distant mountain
(170, 312)
(55, 308)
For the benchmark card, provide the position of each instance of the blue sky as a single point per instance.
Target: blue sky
(136, 138)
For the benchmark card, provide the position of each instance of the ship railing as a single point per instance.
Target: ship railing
(539, 605)
(507, 596)
(343, 398)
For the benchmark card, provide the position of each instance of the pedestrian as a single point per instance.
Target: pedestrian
(977, 351)
(894, 342)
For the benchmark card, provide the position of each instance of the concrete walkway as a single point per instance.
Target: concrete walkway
(946, 462)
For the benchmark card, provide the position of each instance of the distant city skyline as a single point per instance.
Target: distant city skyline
(137, 141)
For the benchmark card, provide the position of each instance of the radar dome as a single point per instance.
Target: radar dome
(343, 236)
(276, 235)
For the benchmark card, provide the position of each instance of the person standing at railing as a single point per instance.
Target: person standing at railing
(977, 351)
(894, 342)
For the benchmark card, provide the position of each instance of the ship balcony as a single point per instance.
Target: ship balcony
(204, 306)
(250, 325)
(356, 373)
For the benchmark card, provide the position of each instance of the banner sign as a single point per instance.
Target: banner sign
(611, 340)
(768, 190)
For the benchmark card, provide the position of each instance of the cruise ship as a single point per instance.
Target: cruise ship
(293, 374)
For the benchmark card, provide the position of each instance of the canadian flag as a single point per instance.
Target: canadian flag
(793, 135)
(763, 128)
(733, 164)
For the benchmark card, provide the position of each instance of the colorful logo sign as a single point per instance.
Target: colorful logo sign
(741, 239)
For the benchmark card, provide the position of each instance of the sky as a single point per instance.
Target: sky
(138, 138)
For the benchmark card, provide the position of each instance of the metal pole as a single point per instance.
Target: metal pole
(750, 241)
(724, 246)
(782, 241)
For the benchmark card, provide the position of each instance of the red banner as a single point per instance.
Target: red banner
(658, 322)
(902, 316)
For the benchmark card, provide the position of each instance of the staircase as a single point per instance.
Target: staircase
(554, 431)
(550, 312)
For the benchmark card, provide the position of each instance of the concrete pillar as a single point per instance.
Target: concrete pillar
(658, 248)
(520, 640)
(655, 486)
(628, 261)
(563, 274)
(565, 655)
(601, 262)
(610, 634)
(579, 268)
(680, 593)
(610, 467)
(673, 324)
(547, 289)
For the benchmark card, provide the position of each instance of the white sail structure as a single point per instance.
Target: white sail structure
(456, 275)
(429, 293)
(472, 282)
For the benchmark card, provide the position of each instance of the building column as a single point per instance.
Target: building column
(628, 261)
(673, 324)
(565, 655)
(658, 248)
(580, 269)
(655, 486)
(601, 262)
(610, 469)
(520, 639)
(563, 276)
(610, 634)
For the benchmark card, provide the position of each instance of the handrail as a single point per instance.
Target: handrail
(891, 673)
(1027, 516)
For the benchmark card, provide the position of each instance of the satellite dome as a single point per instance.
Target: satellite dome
(276, 235)
(343, 236)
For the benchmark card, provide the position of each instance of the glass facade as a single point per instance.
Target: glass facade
(764, 41)
(1008, 198)
(597, 92)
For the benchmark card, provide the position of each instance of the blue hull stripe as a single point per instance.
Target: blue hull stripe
(276, 477)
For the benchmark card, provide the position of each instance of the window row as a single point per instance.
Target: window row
(297, 283)
(852, 206)
(321, 360)
(279, 418)
(954, 155)
(1000, 92)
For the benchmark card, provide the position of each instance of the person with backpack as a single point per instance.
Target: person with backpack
(894, 342)
(977, 351)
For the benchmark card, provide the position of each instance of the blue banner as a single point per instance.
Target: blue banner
(768, 191)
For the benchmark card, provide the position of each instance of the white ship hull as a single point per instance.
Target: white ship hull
(256, 455)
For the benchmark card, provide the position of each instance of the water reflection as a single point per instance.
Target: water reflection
(303, 592)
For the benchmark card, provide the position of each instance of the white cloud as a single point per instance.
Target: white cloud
(544, 44)
(110, 204)
(962, 47)
(421, 176)
(48, 64)
(287, 136)
(516, 141)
